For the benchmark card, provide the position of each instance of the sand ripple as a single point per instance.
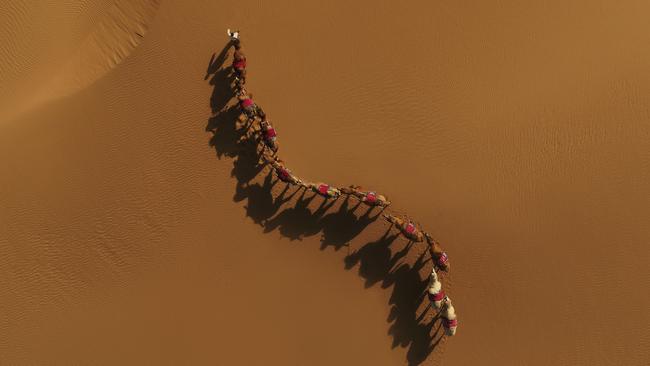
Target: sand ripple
(58, 49)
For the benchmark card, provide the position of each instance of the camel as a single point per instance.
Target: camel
(246, 103)
(370, 198)
(323, 189)
(239, 64)
(436, 294)
(449, 320)
(408, 229)
(439, 257)
(283, 173)
(268, 135)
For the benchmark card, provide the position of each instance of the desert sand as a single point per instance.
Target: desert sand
(517, 133)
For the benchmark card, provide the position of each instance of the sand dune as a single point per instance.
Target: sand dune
(57, 48)
(517, 133)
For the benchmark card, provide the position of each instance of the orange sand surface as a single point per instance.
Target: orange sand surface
(518, 133)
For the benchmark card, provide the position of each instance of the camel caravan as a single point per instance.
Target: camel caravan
(265, 136)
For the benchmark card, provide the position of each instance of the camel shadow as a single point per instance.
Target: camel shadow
(340, 227)
(261, 204)
(379, 262)
(297, 213)
(299, 221)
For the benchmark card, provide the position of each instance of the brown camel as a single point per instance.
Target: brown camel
(246, 103)
(239, 63)
(283, 173)
(370, 198)
(408, 229)
(323, 189)
(439, 256)
(268, 135)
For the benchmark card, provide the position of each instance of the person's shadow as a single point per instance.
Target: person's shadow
(275, 205)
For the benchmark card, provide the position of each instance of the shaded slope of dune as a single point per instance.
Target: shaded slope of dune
(53, 49)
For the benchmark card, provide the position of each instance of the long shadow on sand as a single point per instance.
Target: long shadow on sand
(297, 213)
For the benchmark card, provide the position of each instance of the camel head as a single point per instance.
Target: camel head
(389, 218)
(434, 274)
(446, 301)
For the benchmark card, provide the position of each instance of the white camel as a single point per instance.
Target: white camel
(436, 294)
(449, 321)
